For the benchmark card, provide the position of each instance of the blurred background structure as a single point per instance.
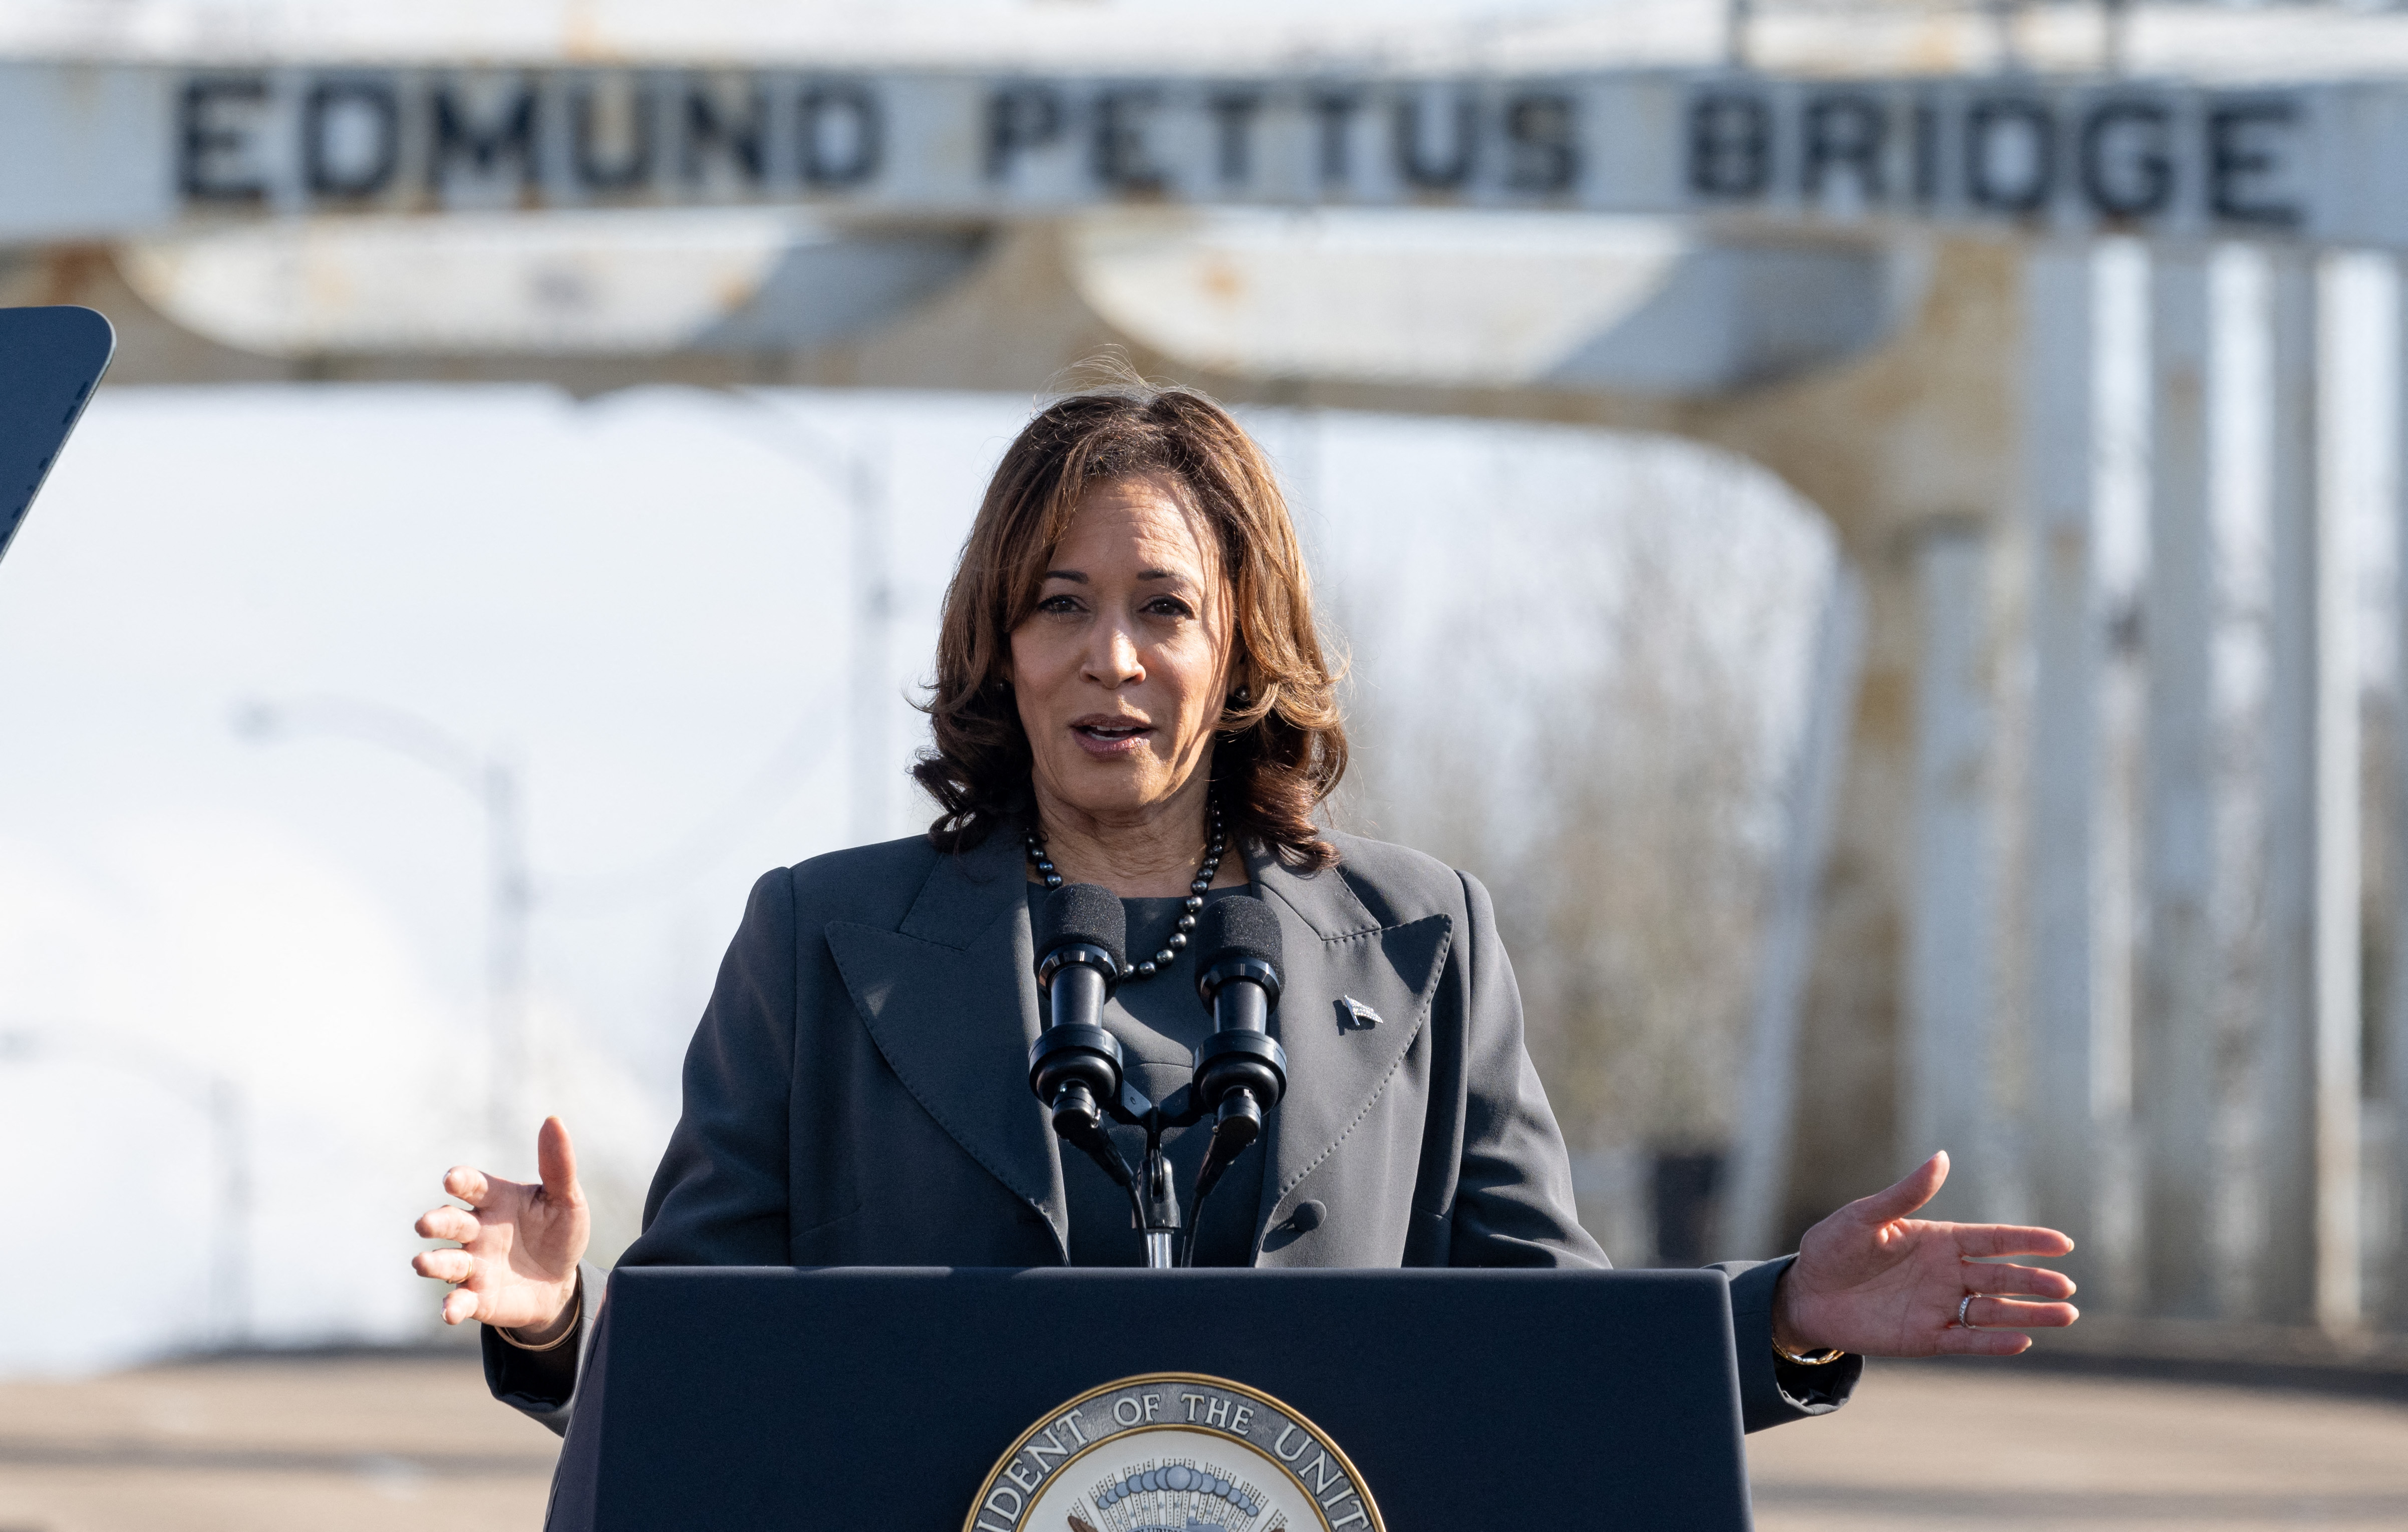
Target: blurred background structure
(1897, 506)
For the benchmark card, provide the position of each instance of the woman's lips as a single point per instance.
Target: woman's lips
(1101, 739)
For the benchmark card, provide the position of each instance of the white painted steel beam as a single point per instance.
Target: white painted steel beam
(2395, 1036)
(1951, 979)
(2066, 771)
(1559, 299)
(2308, 1148)
(2340, 976)
(557, 285)
(2173, 1082)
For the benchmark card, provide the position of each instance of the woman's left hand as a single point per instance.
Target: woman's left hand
(1873, 1280)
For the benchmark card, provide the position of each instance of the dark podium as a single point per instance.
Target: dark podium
(1135, 1401)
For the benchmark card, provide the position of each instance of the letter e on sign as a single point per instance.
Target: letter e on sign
(2245, 140)
(214, 160)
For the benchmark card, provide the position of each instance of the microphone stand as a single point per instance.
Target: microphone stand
(1159, 1200)
(1077, 1069)
(1153, 1192)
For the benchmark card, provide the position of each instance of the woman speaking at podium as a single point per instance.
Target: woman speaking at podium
(1130, 692)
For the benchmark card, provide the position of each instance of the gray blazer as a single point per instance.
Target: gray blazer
(857, 1095)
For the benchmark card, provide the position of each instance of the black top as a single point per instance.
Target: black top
(1158, 1021)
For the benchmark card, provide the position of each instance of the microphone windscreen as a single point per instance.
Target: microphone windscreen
(1083, 912)
(1237, 925)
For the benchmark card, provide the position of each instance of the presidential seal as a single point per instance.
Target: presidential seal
(1174, 1452)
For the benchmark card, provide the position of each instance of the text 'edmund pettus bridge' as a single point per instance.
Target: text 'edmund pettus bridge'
(105, 149)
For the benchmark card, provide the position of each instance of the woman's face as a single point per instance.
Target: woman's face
(1121, 671)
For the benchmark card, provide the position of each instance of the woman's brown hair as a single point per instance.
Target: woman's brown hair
(1280, 747)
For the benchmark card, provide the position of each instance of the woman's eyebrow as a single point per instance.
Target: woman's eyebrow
(1079, 577)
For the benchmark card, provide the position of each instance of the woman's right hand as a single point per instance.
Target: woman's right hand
(516, 1266)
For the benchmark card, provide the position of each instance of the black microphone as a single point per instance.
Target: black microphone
(1241, 1070)
(1074, 1066)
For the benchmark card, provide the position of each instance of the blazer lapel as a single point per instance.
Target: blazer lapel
(950, 998)
(1336, 950)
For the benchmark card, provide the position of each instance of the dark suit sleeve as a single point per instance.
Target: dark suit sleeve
(1774, 1391)
(720, 1197)
(540, 1384)
(1514, 1189)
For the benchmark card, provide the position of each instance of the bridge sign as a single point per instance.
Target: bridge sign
(103, 149)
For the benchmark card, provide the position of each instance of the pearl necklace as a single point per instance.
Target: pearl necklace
(1194, 902)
